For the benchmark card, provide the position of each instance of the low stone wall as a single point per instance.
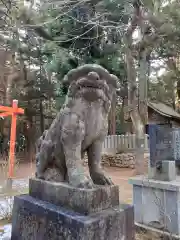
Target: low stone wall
(123, 160)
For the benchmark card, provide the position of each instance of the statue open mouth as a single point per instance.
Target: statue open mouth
(92, 83)
(92, 90)
(100, 84)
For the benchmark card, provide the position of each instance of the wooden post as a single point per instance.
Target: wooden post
(12, 139)
(11, 111)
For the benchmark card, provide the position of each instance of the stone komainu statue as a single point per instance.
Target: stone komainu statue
(80, 126)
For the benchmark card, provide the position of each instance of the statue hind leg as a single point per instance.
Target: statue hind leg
(43, 158)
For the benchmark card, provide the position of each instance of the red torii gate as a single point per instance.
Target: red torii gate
(13, 112)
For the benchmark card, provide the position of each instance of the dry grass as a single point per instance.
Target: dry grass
(4, 167)
(145, 236)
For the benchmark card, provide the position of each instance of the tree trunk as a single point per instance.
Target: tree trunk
(132, 86)
(122, 116)
(134, 113)
(112, 117)
(41, 116)
(13, 76)
(132, 99)
(143, 81)
(30, 136)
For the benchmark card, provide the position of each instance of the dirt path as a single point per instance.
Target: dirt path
(119, 176)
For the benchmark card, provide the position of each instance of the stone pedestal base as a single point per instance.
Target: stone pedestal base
(53, 211)
(157, 204)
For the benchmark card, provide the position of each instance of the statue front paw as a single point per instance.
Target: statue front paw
(40, 176)
(81, 181)
(99, 178)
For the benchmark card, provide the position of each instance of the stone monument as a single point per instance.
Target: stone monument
(66, 202)
(161, 164)
(156, 196)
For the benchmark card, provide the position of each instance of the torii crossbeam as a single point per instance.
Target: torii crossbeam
(13, 112)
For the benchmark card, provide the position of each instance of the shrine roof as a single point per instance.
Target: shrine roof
(163, 109)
